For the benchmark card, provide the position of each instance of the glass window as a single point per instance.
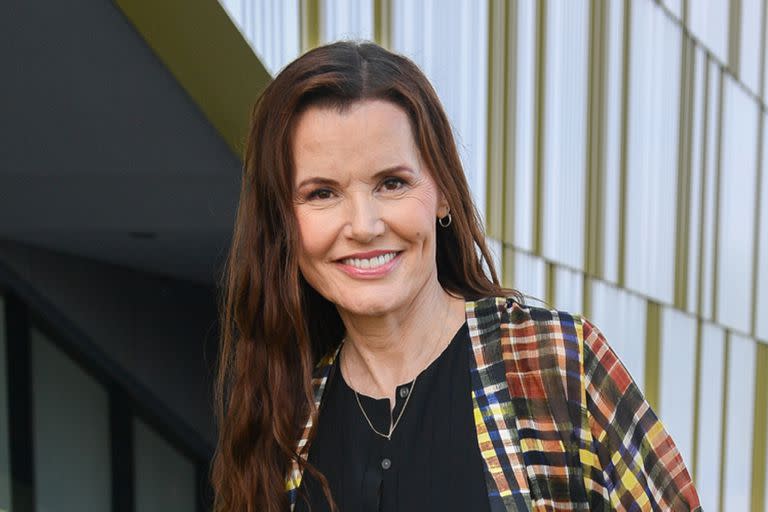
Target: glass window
(530, 277)
(569, 290)
(677, 378)
(749, 47)
(737, 207)
(739, 405)
(71, 433)
(708, 20)
(347, 19)
(5, 457)
(271, 28)
(761, 325)
(620, 315)
(565, 123)
(652, 151)
(710, 187)
(165, 479)
(707, 476)
(697, 160)
(525, 124)
(612, 148)
(445, 38)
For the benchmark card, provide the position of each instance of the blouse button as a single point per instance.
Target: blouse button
(386, 463)
(403, 392)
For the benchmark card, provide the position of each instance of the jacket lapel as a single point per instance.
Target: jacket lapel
(495, 418)
(319, 380)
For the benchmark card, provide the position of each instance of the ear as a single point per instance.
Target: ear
(442, 207)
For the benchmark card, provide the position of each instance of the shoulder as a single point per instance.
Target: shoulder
(527, 326)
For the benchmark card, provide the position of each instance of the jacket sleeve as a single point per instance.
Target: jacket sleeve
(629, 461)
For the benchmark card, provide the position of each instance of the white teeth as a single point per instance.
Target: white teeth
(369, 263)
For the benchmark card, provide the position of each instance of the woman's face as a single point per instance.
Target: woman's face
(366, 208)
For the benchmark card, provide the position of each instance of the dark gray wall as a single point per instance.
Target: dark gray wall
(160, 332)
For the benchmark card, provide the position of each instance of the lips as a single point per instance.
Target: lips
(370, 263)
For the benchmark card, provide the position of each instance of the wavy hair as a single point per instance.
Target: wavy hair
(274, 326)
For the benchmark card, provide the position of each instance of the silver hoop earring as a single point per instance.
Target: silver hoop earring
(443, 222)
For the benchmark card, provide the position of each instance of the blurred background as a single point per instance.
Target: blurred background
(614, 149)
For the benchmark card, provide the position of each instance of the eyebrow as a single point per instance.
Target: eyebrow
(316, 180)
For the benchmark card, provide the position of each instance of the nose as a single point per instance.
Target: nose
(364, 222)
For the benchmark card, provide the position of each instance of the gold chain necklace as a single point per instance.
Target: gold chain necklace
(393, 424)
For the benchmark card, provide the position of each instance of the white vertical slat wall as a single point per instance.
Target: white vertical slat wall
(738, 429)
(525, 124)
(271, 28)
(738, 178)
(565, 122)
(347, 19)
(652, 145)
(710, 419)
(448, 39)
(612, 147)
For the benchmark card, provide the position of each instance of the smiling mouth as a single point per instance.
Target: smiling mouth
(370, 263)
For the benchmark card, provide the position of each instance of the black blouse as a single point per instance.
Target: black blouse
(433, 461)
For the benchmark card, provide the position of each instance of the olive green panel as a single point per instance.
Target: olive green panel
(716, 206)
(724, 417)
(757, 229)
(208, 56)
(496, 114)
(310, 19)
(510, 124)
(596, 122)
(683, 210)
(622, 238)
(696, 402)
(652, 352)
(758, 429)
(550, 283)
(382, 22)
(539, 87)
(507, 266)
(703, 193)
(734, 37)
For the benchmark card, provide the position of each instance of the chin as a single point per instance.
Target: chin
(375, 305)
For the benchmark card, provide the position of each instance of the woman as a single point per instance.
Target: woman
(357, 244)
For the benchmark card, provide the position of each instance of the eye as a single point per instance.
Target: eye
(320, 194)
(392, 183)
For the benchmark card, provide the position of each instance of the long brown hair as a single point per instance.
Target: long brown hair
(274, 325)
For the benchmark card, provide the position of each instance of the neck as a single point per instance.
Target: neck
(382, 352)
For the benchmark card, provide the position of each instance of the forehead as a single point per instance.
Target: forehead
(368, 135)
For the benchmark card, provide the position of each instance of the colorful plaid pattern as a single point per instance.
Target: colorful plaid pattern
(560, 423)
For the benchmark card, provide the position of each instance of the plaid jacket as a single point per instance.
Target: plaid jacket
(560, 423)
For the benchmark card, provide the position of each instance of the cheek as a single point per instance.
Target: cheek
(315, 237)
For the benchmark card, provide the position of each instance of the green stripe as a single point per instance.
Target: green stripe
(652, 352)
(622, 239)
(510, 124)
(717, 206)
(538, 198)
(758, 429)
(495, 115)
(309, 21)
(508, 266)
(683, 208)
(696, 401)
(703, 192)
(724, 419)
(223, 79)
(382, 22)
